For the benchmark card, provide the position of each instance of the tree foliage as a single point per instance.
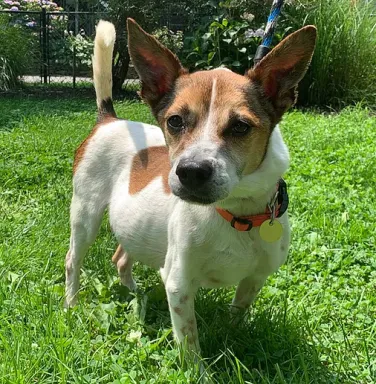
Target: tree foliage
(150, 15)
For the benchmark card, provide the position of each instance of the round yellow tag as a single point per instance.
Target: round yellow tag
(271, 231)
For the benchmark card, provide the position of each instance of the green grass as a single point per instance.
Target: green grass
(314, 321)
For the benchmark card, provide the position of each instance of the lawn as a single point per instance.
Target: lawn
(314, 321)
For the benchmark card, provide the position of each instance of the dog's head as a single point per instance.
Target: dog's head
(217, 123)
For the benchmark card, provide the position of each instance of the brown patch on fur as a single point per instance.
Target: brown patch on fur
(187, 329)
(190, 331)
(178, 310)
(148, 164)
(192, 338)
(80, 151)
(183, 299)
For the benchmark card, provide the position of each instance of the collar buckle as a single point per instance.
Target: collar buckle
(241, 221)
(283, 197)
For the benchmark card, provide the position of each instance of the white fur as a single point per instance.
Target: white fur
(102, 60)
(192, 245)
(208, 128)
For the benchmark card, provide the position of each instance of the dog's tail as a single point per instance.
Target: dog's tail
(102, 68)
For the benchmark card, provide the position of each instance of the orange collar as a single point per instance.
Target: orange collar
(246, 223)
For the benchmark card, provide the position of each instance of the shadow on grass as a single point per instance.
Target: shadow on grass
(268, 345)
(52, 100)
(66, 91)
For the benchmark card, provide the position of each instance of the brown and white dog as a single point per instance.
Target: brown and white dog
(170, 206)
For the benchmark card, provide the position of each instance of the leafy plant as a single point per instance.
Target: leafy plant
(150, 15)
(14, 52)
(170, 39)
(343, 68)
(83, 45)
(226, 40)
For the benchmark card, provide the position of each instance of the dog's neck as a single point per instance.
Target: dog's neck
(255, 191)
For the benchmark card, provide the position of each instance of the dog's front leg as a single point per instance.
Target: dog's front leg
(180, 294)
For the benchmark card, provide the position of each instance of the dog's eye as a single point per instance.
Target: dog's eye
(240, 128)
(175, 124)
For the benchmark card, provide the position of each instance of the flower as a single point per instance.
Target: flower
(31, 24)
(134, 336)
(251, 33)
(259, 32)
(248, 17)
(14, 8)
(8, 1)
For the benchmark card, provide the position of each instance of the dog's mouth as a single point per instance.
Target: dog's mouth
(200, 200)
(200, 197)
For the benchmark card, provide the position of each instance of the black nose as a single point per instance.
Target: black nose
(194, 174)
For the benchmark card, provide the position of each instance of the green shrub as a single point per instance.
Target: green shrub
(225, 41)
(343, 68)
(84, 46)
(170, 39)
(14, 52)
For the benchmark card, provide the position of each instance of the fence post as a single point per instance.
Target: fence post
(44, 46)
(74, 47)
(74, 66)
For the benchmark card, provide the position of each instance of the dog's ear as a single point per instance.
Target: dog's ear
(156, 65)
(280, 71)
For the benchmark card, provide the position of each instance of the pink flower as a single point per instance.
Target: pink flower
(14, 9)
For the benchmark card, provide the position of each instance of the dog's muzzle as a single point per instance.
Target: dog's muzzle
(194, 174)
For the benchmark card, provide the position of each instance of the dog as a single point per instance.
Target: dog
(200, 197)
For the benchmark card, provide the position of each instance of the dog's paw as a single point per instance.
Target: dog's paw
(237, 314)
(70, 302)
(129, 283)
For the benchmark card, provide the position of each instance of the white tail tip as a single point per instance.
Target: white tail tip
(105, 34)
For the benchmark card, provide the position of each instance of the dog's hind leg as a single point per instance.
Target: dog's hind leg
(246, 293)
(86, 217)
(124, 266)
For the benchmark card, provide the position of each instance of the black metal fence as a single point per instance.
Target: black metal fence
(61, 44)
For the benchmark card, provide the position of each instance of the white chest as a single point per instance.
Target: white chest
(218, 255)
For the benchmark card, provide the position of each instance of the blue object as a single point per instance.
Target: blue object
(264, 48)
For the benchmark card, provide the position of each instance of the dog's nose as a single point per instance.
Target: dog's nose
(194, 174)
